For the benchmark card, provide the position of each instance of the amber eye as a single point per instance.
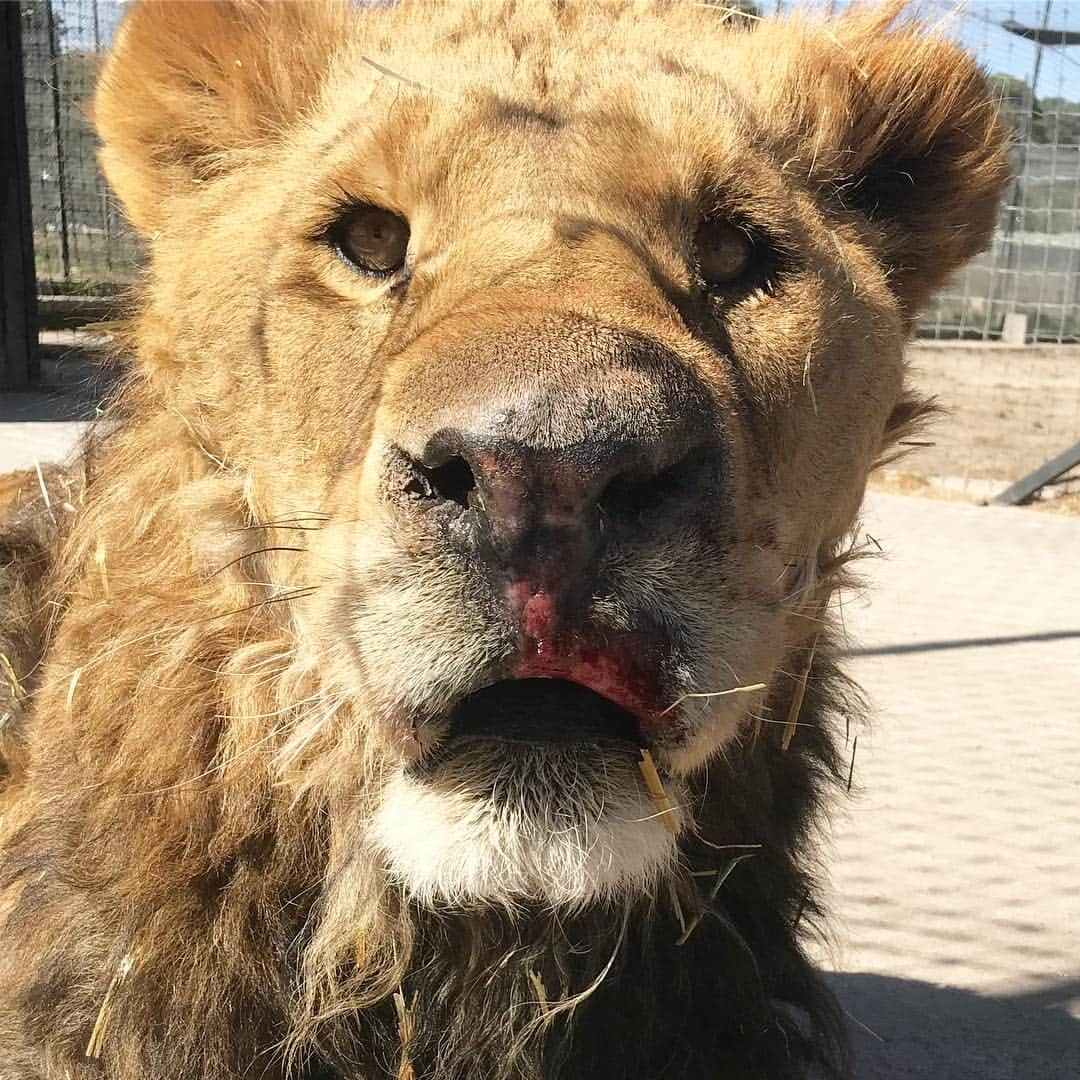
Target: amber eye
(724, 252)
(373, 240)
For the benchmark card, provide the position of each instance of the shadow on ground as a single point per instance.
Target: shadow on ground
(926, 1032)
(961, 643)
(72, 387)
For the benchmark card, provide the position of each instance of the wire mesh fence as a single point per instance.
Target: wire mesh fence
(1027, 283)
(82, 244)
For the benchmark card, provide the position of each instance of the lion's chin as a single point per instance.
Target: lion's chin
(564, 827)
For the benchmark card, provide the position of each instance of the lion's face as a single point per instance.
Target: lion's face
(572, 339)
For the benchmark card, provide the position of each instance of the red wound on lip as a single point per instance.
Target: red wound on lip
(538, 617)
(625, 672)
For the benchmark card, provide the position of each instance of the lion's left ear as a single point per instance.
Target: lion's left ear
(902, 126)
(190, 86)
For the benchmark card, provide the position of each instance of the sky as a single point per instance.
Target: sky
(1059, 73)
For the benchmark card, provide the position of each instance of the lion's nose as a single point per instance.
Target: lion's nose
(541, 449)
(538, 517)
(530, 500)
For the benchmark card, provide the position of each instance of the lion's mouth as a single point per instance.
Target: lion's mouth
(537, 712)
(545, 711)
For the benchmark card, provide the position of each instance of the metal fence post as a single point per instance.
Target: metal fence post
(18, 292)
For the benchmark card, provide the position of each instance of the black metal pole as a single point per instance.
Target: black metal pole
(1046, 473)
(1015, 199)
(61, 172)
(106, 210)
(18, 286)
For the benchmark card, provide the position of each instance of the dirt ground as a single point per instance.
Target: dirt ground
(901, 482)
(1007, 411)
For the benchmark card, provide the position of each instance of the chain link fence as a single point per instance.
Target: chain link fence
(1026, 287)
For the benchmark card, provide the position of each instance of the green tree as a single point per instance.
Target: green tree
(1020, 109)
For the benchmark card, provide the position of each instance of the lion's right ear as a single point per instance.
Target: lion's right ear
(190, 86)
(895, 121)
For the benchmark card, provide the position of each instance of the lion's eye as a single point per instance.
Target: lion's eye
(724, 252)
(373, 240)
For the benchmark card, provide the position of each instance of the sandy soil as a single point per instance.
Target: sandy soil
(1007, 411)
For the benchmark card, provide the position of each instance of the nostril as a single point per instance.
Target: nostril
(631, 494)
(452, 481)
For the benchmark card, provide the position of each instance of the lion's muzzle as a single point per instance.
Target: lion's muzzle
(558, 445)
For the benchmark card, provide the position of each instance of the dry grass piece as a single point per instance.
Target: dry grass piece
(8, 670)
(792, 721)
(405, 1033)
(711, 694)
(97, 1036)
(667, 811)
(537, 981)
(714, 892)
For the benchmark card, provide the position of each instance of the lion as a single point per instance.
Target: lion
(427, 670)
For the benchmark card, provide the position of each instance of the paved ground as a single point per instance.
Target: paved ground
(956, 869)
(957, 866)
(46, 426)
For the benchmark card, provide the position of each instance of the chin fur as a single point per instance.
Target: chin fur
(502, 826)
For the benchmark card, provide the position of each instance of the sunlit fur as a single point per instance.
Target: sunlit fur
(228, 642)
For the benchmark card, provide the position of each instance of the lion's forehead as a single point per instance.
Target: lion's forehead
(495, 152)
(531, 112)
(544, 50)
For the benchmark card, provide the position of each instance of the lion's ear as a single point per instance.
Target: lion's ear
(928, 155)
(188, 86)
(901, 124)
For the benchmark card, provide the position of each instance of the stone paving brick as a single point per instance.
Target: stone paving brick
(23, 443)
(42, 426)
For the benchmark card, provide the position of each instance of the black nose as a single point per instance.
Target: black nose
(538, 479)
(537, 507)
